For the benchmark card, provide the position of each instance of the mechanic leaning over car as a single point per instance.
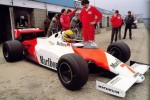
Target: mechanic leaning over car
(128, 22)
(89, 16)
(65, 18)
(116, 21)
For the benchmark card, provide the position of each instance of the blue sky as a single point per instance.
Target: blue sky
(136, 6)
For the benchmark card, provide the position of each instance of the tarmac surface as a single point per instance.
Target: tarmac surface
(24, 80)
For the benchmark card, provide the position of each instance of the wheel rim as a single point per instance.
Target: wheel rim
(65, 72)
(5, 52)
(115, 51)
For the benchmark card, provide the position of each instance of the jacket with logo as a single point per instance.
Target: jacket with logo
(91, 14)
(65, 20)
(116, 20)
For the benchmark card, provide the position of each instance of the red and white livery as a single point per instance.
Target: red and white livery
(72, 60)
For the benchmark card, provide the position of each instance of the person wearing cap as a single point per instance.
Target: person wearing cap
(65, 18)
(128, 22)
(116, 21)
(89, 16)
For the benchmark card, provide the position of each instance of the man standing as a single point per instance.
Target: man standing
(65, 19)
(89, 16)
(128, 21)
(74, 21)
(46, 24)
(53, 27)
(116, 23)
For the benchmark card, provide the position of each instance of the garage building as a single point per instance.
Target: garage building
(35, 12)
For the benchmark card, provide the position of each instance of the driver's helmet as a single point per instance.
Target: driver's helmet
(68, 36)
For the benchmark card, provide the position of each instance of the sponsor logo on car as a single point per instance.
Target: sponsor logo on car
(48, 62)
(63, 44)
(115, 64)
(138, 74)
(114, 81)
(108, 89)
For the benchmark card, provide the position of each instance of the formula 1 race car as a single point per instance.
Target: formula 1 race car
(73, 61)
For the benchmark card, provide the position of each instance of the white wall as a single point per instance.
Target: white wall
(104, 20)
(6, 2)
(29, 4)
(55, 8)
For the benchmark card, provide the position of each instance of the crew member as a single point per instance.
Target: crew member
(65, 18)
(128, 22)
(116, 23)
(89, 16)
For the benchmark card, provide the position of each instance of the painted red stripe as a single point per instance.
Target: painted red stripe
(31, 49)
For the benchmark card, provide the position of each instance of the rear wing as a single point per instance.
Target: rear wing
(28, 33)
(120, 84)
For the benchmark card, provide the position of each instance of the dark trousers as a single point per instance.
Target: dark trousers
(119, 31)
(114, 34)
(130, 32)
(46, 29)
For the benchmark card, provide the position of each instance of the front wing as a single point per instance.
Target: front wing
(120, 84)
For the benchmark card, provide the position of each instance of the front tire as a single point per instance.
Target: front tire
(119, 50)
(12, 50)
(72, 71)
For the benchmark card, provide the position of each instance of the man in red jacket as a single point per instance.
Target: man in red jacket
(65, 19)
(89, 16)
(116, 23)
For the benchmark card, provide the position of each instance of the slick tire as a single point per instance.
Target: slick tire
(72, 71)
(119, 50)
(12, 50)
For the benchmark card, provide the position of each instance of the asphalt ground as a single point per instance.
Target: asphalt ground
(24, 80)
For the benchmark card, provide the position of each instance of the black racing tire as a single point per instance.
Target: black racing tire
(12, 50)
(119, 50)
(72, 71)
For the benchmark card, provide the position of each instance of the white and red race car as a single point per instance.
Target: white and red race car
(72, 61)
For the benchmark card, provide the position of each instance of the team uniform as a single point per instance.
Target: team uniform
(116, 23)
(86, 16)
(65, 20)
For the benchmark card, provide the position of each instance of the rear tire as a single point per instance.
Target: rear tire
(12, 50)
(72, 71)
(119, 50)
